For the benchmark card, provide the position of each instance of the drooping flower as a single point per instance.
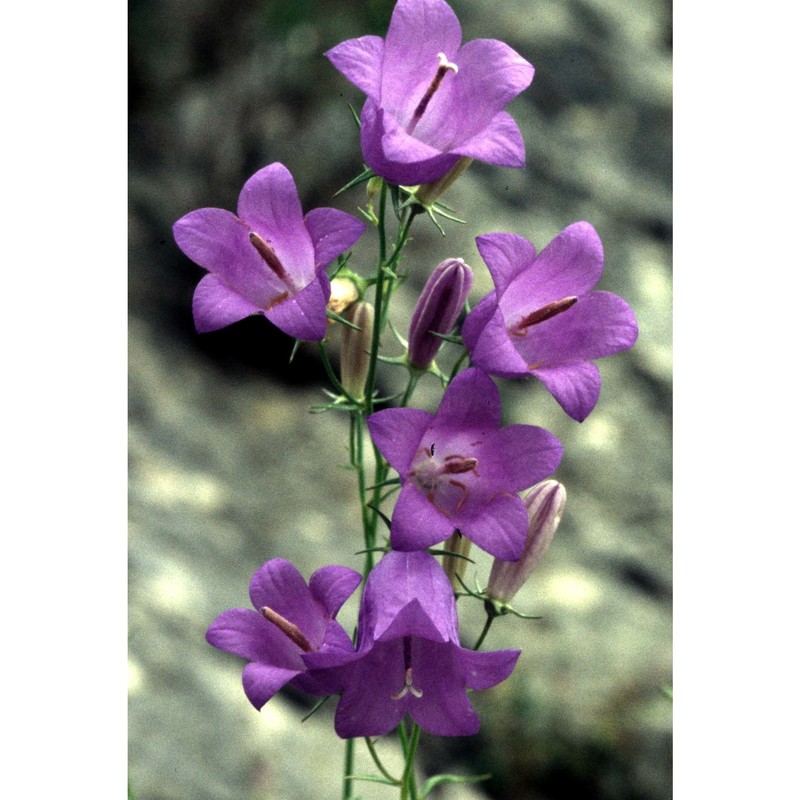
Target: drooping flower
(408, 660)
(291, 618)
(267, 258)
(543, 319)
(460, 470)
(545, 503)
(437, 310)
(430, 100)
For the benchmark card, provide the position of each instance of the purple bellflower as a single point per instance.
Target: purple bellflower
(430, 100)
(267, 258)
(437, 310)
(460, 470)
(543, 319)
(408, 660)
(291, 618)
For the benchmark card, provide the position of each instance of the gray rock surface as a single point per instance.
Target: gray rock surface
(228, 468)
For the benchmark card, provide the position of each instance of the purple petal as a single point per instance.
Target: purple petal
(444, 708)
(261, 682)
(568, 267)
(471, 402)
(491, 348)
(506, 255)
(412, 620)
(500, 529)
(599, 324)
(416, 524)
(332, 585)
(518, 456)
(361, 62)
(419, 30)
(270, 206)
(246, 634)
(279, 585)
(576, 387)
(378, 128)
(215, 305)
(367, 707)
(217, 241)
(499, 143)
(484, 670)
(303, 315)
(397, 433)
(332, 232)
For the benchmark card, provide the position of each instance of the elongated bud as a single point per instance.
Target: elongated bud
(545, 503)
(437, 310)
(356, 345)
(428, 193)
(454, 566)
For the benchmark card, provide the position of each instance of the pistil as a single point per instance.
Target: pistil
(288, 628)
(541, 314)
(269, 256)
(444, 67)
(408, 684)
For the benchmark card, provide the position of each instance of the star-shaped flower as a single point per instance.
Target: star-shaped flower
(267, 258)
(543, 319)
(460, 470)
(409, 660)
(430, 100)
(291, 618)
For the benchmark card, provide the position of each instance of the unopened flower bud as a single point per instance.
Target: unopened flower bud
(356, 344)
(429, 192)
(455, 565)
(344, 293)
(545, 504)
(437, 310)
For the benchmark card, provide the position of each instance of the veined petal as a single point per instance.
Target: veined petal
(245, 633)
(575, 386)
(279, 585)
(500, 528)
(216, 305)
(303, 315)
(416, 523)
(332, 585)
(397, 433)
(569, 266)
(411, 620)
(471, 401)
(270, 206)
(489, 345)
(487, 669)
(518, 456)
(217, 240)
(506, 255)
(262, 681)
(361, 62)
(499, 143)
(419, 30)
(332, 232)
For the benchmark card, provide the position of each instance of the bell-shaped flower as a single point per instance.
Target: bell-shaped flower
(430, 99)
(460, 470)
(545, 504)
(267, 258)
(408, 660)
(543, 319)
(291, 618)
(437, 310)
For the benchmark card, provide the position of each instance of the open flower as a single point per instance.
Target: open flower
(460, 470)
(291, 618)
(430, 100)
(267, 258)
(408, 660)
(543, 319)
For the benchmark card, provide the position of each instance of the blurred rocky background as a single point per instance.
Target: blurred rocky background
(228, 468)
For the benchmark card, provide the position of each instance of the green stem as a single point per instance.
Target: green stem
(487, 625)
(374, 753)
(408, 791)
(349, 761)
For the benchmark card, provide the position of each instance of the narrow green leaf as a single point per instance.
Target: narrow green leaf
(370, 778)
(317, 706)
(437, 780)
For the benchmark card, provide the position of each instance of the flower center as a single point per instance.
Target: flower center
(445, 66)
(273, 262)
(431, 475)
(408, 685)
(541, 314)
(288, 628)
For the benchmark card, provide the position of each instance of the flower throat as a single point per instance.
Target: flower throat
(444, 67)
